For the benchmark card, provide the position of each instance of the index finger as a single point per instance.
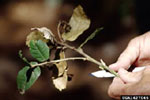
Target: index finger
(128, 56)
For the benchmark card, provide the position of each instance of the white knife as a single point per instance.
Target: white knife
(103, 73)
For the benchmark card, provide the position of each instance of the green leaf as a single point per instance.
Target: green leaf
(91, 37)
(39, 50)
(78, 22)
(34, 76)
(22, 78)
(27, 77)
(23, 58)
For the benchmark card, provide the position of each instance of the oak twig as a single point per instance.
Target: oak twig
(60, 60)
(101, 65)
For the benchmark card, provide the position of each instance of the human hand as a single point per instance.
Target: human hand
(137, 53)
(130, 83)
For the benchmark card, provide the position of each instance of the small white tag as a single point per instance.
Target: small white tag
(138, 69)
(103, 73)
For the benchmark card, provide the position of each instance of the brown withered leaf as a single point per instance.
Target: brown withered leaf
(61, 65)
(35, 35)
(47, 33)
(43, 34)
(60, 81)
(79, 22)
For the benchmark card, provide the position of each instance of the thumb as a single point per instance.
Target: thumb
(128, 57)
(129, 77)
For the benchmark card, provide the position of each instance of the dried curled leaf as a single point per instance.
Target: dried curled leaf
(43, 34)
(78, 22)
(60, 81)
(46, 33)
(35, 36)
(61, 65)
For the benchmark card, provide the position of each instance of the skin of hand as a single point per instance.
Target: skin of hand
(137, 53)
(130, 83)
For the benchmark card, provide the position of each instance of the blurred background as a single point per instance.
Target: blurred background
(122, 20)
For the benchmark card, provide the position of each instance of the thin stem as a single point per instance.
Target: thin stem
(58, 31)
(60, 60)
